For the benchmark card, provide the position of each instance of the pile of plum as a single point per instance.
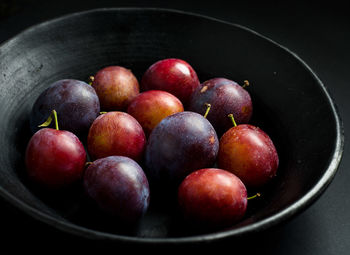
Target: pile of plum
(176, 134)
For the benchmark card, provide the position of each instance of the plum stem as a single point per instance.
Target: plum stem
(88, 163)
(56, 119)
(91, 79)
(102, 113)
(245, 83)
(208, 109)
(252, 197)
(49, 120)
(232, 119)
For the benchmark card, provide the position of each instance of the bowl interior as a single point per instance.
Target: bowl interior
(290, 104)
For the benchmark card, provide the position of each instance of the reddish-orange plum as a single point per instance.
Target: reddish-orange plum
(212, 198)
(55, 158)
(248, 152)
(115, 86)
(116, 133)
(175, 76)
(150, 107)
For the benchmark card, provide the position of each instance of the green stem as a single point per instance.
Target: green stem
(49, 120)
(88, 163)
(91, 79)
(256, 195)
(245, 83)
(56, 120)
(207, 111)
(232, 119)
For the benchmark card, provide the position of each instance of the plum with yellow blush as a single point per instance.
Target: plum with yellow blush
(115, 86)
(150, 107)
(116, 133)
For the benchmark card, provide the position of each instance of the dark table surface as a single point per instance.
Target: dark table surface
(318, 32)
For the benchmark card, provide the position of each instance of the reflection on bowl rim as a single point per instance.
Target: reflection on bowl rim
(286, 213)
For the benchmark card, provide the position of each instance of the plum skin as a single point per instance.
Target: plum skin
(116, 133)
(248, 152)
(150, 107)
(225, 97)
(76, 103)
(212, 198)
(119, 187)
(115, 86)
(173, 75)
(180, 144)
(55, 158)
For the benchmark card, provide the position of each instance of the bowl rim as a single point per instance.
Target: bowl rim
(297, 206)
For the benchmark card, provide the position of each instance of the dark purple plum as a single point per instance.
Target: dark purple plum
(119, 187)
(75, 102)
(180, 144)
(226, 97)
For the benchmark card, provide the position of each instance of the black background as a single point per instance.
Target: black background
(318, 32)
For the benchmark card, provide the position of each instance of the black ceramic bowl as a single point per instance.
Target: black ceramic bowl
(290, 103)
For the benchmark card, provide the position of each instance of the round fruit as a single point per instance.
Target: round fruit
(119, 187)
(116, 133)
(173, 75)
(75, 102)
(116, 86)
(249, 153)
(226, 97)
(180, 144)
(212, 197)
(150, 107)
(55, 158)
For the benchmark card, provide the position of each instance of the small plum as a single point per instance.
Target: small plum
(116, 133)
(119, 187)
(248, 152)
(115, 86)
(213, 198)
(180, 144)
(226, 97)
(150, 107)
(55, 158)
(175, 76)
